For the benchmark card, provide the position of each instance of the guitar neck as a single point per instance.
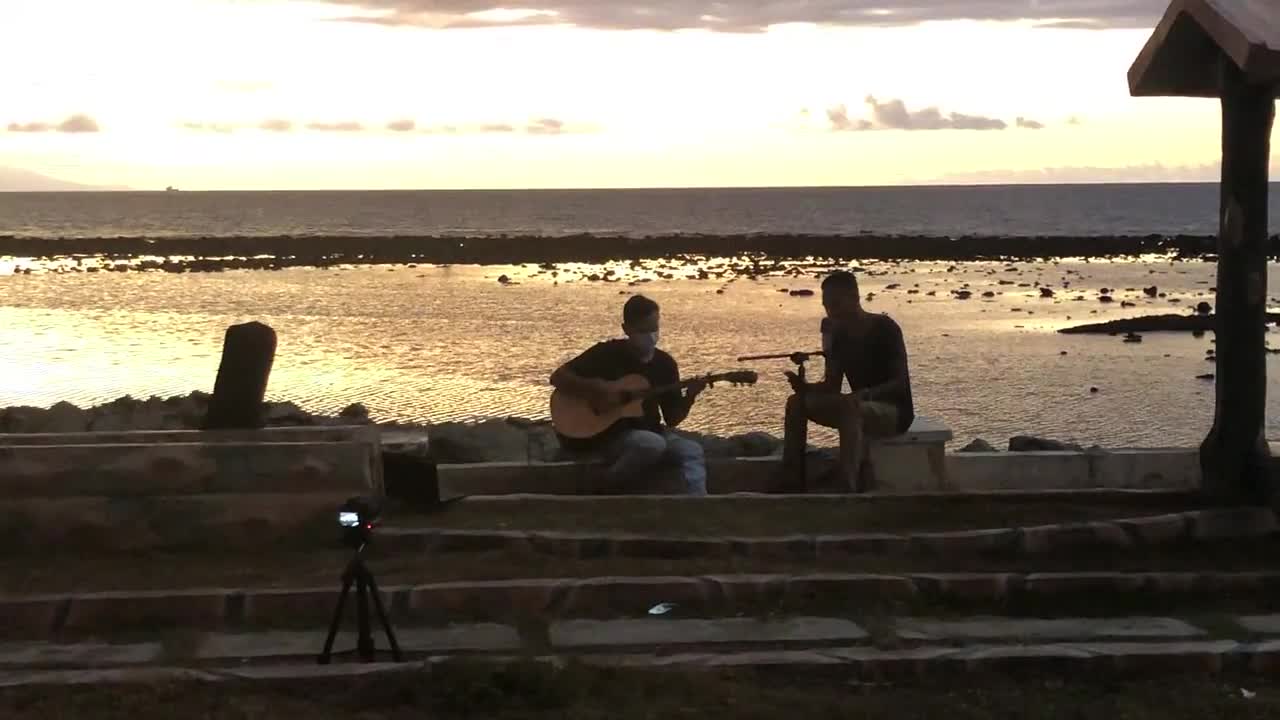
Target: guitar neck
(664, 389)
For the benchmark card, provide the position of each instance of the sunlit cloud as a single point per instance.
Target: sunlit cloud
(78, 123)
(747, 15)
(894, 115)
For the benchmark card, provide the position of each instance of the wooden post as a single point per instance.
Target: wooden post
(248, 351)
(1234, 458)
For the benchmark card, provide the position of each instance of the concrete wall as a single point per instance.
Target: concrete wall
(181, 488)
(899, 470)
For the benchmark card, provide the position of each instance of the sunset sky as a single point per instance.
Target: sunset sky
(285, 94)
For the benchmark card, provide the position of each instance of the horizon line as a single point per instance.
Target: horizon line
(91, 191)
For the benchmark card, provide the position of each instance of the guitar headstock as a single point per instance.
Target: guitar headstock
(736, 377)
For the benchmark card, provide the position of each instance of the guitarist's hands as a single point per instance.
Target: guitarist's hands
(601, 398)
(798, 386)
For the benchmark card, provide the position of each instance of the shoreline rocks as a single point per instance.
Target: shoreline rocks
(1153, 323)
(511, 439)
(214, 254)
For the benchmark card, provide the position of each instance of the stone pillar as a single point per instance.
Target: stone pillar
(248, 352)
(1234, 458)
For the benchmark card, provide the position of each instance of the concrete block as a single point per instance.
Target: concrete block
(1018, 471)
(170, 521)
(127, 470)
(1157, 468)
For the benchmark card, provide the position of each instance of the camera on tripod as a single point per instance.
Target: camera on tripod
(358, 517)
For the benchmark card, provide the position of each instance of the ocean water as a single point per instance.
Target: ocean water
(440, 343)
(1073, 210)
(435, 344)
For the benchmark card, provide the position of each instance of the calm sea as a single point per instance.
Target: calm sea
(1077, 210)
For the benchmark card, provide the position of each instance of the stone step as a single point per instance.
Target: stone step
(843, 663)
(1147, 531)
(84, 614)
(631, 635)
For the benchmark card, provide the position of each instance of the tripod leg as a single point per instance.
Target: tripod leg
(337, 618)
(382, 616)
(365, 642)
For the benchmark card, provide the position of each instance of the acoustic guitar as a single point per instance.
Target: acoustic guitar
(575, 418)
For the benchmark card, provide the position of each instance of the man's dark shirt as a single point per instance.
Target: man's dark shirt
(875, 358)
(614, 359)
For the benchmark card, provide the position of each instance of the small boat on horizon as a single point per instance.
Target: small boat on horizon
(171, 189)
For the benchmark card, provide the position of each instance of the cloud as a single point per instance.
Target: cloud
(209, 127)
(1028, 123)
(33, 127)
(545, 126)
(1074, 120)
(78, 123)
(536, 126)
(348, 126)
(276, 125)
(894, 115)
(839, 118)
(746, 15)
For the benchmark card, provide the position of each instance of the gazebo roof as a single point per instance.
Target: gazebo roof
(1180, 59)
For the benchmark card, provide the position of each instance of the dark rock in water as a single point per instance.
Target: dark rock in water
(504, 279)
(1153, 323)
(1151, 291)
(1206, 376)
(1093, 389)
(801, 293)
(355, 412)
(1106, 299)
(978, 445)
(1197, 333)
(1132, 338)
(962, 294)
(1203, 308)
(988, 294)
(1127, 304)
(1028, 443)
(1046, 292)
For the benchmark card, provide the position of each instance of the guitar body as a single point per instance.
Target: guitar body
(574, 417)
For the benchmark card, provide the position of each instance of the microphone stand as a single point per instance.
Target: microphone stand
(796, 470)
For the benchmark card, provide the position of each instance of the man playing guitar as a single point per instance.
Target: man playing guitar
(634, 446)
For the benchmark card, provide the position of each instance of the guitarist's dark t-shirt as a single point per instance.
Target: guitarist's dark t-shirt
(613, 359)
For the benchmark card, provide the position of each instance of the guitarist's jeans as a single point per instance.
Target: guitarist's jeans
(636, 452)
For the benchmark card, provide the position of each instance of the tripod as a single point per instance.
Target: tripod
(795, 470)
(366, 586)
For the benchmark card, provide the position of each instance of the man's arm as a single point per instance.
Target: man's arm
(675, 405)
(901, 375)
(574, 376)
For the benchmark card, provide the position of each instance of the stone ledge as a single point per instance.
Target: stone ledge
(599, 597)
(169, 521)
(131, 470)
(1150, 531)
(1198, 658)
(1128, 468)
(311, 434)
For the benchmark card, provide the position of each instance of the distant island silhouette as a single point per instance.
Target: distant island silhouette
(19, 180)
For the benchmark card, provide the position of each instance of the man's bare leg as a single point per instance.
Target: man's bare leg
(795, 441)
(851, 444)
(833, 410)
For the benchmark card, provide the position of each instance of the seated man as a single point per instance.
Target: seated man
(635, 446)
(867, 349)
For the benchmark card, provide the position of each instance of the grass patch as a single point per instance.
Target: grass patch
(780, 516)
(528, 691)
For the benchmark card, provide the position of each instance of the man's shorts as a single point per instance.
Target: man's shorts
(879, 419)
